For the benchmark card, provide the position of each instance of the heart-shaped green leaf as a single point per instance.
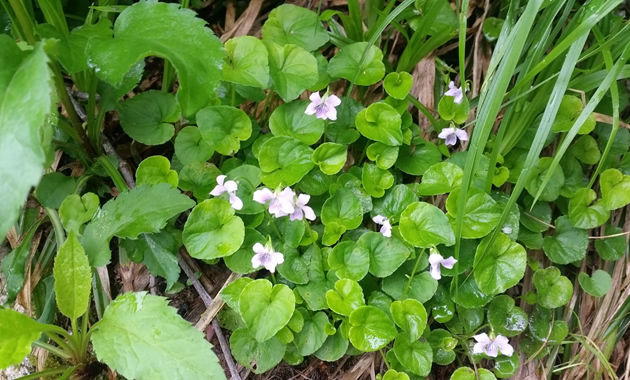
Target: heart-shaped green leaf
(410, 315)
(348, 263)
(422, 287)
(415, 355)
(500, 265)
(554, 290)
(292, 69)
(223, 127)
(380, 122)
(314, 332)
(212, 230)
(505, 318)
(54, 188)
(247, 62)
(266, 308)
(346, 297)
(386, 253)
(156, 169)
(597, 285)
(376, 180)
(481, 213)
(581, 215)
(570, 109)
(586, 150)
(370, 329)
(151, 28)
(398, 85)
(611, 248)
(76, 210)
(449, 110)
(191, 147)
(424, 225)
(284, 160)
(199, 178)
(440, 178)
(147, 117)
(290, 24)
(360, 63)
(568, 244)
(615, 188)
(383, 155)
(465, 373)
(259, 357)
(394, 202)
(442, 343)
(418, 160)
(330, 157)
(333, 348)
(538, 173)
(290, 120)
(341, 212)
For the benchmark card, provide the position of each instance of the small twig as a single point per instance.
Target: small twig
(208, 301)
(610, 236)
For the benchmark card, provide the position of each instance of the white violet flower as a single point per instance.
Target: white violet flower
(435, 259)
(323, 108)
(229, 187)
(301, 209)
(455, 92)
(266, 257)
(386, 227)
(491, 347)
(280, 202)
(451, 135)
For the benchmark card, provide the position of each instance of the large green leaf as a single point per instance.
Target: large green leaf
(415, 355)
(371, 329)
(348, 263)
(410, 315)
(505, 318)
(156, 169)
(265, 308)
(440, 178)
(481, 216)
(380, 122)
(345, 297)
(418, 159)
(330, 157)
(290, 24)
(292, 69)
(341, 212)
(212, 230)
(568, 244)
(499, 264)
(394, 202)
(247, 62)
(386, 253)
(147, 117)
(615, 188)
(144, 209)
(290, 120)
(597, 285)
(258, 356)
(141, 337)
(284, 160)
(190, 147)
(150, 28)
(25, 101)
(73, 278)
(424, 225)
(554, 290)
(584, 215)
(223, 127)
(314, 332)
(351, 64)
(17, 332)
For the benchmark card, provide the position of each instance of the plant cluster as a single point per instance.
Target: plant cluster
(294, 161)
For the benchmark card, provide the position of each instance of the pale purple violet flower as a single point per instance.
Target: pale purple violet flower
(323, 108)
(451, 135)
(386, 227)
(435, 259)
(265, 256)
(491, 347)
(455, 92)
(280, 203)
(301, 209)
(229, 187)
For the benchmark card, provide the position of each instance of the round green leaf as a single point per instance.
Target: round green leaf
(223, 127)
(392, 374)
(440, 178)
(380, 122)
(383, 155)
(341, 212)
(581, 215)
(442, 343)
(449, 110)
(246, 62)
(424, 225)
(386, 253)
(499, 266)
(290, 24)
(266, 308)
(597, 285)
(348, 263)
(333, 348)
(198, 177)
(422, 287)
(346, 297)
(467, 294)
(415, 355)
(611, 248)
(376, 180)
(284, 160)
(292, 69)
(568, 244)
(370, 328)
(543, 328)
(232, 293)
(330, 157)
(212, 230)
(418, 160)
(492, 28)
(538, 174)
(191, 147)
(147, 117)
(410, 315)
(290, 120)
(394, 202)
(398, 85)
(505, 318)
(259, 357)
(156, 169)
(615, 188)
(554, 290)
(75, 211)
(586, 150)
(54, 188)
(506, 366)
(360, 63)
(481, 212)
(314, 332)
(465, 373)
(570, 109)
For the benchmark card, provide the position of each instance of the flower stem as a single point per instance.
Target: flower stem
(413, 272)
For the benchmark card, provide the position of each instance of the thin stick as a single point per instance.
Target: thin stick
(208, 301)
